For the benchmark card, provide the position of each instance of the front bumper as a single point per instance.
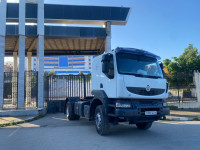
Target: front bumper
(129, 113)
(138, 108)
(138, 115)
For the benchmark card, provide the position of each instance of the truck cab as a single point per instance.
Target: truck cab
(127, 85)
(129, 73)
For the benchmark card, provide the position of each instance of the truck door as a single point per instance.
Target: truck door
(109, 81)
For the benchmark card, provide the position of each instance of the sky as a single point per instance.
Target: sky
(164, 27)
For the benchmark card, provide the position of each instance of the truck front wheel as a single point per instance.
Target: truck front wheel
(144, 126)
(101, 121)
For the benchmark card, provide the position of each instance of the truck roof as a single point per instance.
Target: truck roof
(136, 52)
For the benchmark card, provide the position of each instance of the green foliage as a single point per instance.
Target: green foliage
(81, 73)
(20, 122)
(166, 62)
(196, 119)
(186, 62)
(81, 77)
(180, 68)
(52, 73)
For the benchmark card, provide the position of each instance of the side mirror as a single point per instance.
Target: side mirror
(105, 58)
(105, 63)
(105, 67)
(161, 65)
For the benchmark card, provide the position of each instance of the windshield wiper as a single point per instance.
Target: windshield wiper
(156, 77)
(141, 75)
(135, 74)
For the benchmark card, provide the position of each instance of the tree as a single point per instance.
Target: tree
(81, 73)
(185, 63)
(180, 68)
(166, 62)
(52, 73)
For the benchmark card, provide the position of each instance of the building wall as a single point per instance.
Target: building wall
(64, 65)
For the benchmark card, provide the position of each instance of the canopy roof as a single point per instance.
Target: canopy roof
(64, 40)
(59, 40)
(71, 14)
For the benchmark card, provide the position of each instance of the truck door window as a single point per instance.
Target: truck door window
(108, 66)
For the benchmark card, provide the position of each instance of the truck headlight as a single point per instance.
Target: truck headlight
(164, 104)
(123, 105)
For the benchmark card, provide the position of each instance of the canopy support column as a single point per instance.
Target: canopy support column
(108, 37)
(3, 6)
(40, 53)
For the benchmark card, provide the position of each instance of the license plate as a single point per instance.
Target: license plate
(150, 113)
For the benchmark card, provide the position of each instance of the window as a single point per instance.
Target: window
(138, 66)
(108, 65)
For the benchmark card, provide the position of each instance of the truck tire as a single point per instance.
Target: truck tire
(144, 126)
(70, 112)
(101, 120)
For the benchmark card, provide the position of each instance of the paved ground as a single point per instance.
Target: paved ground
(54, 132)
(175, 115)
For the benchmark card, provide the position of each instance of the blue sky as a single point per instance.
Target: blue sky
(164, 27)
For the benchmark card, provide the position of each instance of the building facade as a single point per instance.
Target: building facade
(65, 65)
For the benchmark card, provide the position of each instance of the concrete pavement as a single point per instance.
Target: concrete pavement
(175, 115)
(55, 132)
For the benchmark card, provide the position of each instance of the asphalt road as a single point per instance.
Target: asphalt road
(55, 132)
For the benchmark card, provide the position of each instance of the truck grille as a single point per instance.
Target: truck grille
(142, 91)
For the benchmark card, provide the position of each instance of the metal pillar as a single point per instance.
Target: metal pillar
(21, 54)
(108, 37)
(28, 78)
(3, 4)
(40, 53)
(14, 79)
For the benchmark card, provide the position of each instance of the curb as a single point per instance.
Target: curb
(183, 119)
(21, 122)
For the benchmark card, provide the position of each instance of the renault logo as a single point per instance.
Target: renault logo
(148, 88)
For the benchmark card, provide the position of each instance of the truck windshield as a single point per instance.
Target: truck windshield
(138, 65)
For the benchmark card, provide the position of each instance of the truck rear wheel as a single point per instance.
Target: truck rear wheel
(144, 126)
(101, 121)
(70, 112)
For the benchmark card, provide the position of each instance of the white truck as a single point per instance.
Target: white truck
(127, 85)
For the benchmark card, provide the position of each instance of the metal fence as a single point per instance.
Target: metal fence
(59, 87)
(181, 87)
(31, 89)
(11, 90)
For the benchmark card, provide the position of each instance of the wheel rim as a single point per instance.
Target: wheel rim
(98, 120)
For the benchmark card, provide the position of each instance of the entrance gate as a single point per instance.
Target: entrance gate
(58, 87)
